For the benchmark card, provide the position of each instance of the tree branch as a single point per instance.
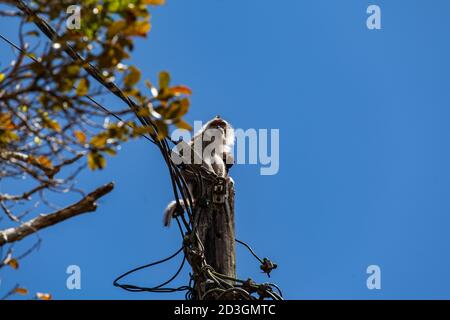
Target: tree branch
(87, 204)
(4, 13)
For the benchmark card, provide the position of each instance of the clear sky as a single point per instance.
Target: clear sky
(364, 151)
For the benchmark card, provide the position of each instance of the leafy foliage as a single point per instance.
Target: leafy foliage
(49, 118)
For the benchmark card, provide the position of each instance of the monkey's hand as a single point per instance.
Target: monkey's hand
(228, 159)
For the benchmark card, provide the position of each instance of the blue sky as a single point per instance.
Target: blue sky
(364, 160)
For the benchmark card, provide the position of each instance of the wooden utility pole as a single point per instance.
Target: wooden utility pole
(214, 227)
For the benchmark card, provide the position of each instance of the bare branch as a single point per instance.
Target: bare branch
(8, 212)
(4, 13)
(87, 204)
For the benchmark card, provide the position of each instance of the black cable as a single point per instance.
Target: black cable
(158, 288)
(177, 179)
(273, 285)
(250, 249)
(113, 88)
(164, 148)
(125, 286)
(96, 103)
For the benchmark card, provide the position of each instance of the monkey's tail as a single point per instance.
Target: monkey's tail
(170, 212)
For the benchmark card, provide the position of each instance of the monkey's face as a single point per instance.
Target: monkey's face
(217, 131)
(217, 125)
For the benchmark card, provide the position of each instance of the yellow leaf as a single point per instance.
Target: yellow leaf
(163, 130)
(44, 161)
(91, 161)
(116, 27)
(132, 77)
(164, 79)
(37, 140)
(7, 136)
(53, 124)
(48, 122)
(110, 151)
(83, 87)
(96, 161)
(137, 131)
(43, 296)
(99, 141)
(140, 28)
(2, 77)
(155, 2)
(21, 291)
(178, 109)
(179, 90)
(185, 103)
(6, 122)
(183, 125)
(81, 137)
(13, 263)
(143, 112)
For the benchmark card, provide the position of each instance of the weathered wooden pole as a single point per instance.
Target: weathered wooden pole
(214, 226)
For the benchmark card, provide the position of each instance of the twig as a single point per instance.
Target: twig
(10, 14)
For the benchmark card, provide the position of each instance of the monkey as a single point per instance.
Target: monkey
(211, 147)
